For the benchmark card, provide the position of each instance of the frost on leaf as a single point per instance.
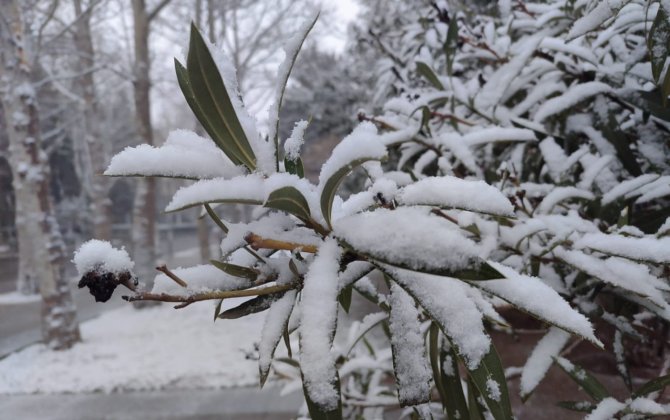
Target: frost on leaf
(541, 359)
(318, 317)
(409, 355)
(447, 303)
(408, 237)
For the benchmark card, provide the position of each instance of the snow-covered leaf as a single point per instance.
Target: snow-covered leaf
(409, 355)
(540, 360)
(275, 324)
(489, 379)
(531, 295)
(415, 239)
(358, 147)
(318, 317)
(586, 381)
(456, 193)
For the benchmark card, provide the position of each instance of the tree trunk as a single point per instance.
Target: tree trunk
(39, 237)
(144, 210)
(93, 141)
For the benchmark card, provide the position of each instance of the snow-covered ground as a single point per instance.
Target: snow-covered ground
(156, 348)
(16, 298)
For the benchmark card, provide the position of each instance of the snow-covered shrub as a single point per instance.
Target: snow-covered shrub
(447, 244)
(561, 106)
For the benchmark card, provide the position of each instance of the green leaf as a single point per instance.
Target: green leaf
(331, 185)
(282, 83)
(665, 89)
(649, 101)
(480, 270)
(622, 366)
(424, 70)
(214, 108)
(294, 167)
(586, 381)
(612, 133)
(290, 200)
(490, 369)
(215, 217)
(659, 42)
(475, 410)
(252, 306)
(451, 44)
(580, 406)
(656, 384)
(318, 413)
(451, 382)
(291, 296)
(236, 270)
(217, 309)
(345, 297)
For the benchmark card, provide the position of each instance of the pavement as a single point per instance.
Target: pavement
(235, 403)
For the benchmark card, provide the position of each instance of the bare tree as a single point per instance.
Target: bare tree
(144, 211)
(94, 144)
(41, 248)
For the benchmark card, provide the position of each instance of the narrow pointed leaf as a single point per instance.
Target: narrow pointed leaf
(451, 382)
(489, 378)
(427, 72)
(291, 200)
(236, 270)
(275, 326)
(251, 306)
(656, 384)
(214, 102)
(586, 381)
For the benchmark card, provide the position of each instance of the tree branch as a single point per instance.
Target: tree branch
(258, 242)
(217, 294)
(157, 10)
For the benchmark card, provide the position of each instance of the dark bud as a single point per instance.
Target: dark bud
(102, 285)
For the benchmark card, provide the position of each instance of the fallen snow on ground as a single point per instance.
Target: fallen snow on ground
(131, 350)
(16, 298)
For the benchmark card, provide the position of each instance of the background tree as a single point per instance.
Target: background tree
(41, 249)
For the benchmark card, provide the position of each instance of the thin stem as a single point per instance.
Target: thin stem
(216, 294)
(163, 269)
(258, 242)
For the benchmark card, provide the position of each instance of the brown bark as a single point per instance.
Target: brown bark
(39, 236)
(94, 142)
(144, 211)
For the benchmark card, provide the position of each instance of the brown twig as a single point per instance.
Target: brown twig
(258, 242)
(450, 117)
(163, 269)
(186, 300)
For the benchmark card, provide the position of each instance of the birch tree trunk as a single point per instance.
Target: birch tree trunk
(94, 142)
(41, 248)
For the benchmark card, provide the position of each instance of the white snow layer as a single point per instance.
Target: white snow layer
(648, 248)
(318, 316)
(184, 154)
(454, 192)
(533, 296)
(446, 300)
(276, 321)
(102, 257)
(571, 97)
(606, 409)
(200, 278)
(541, 359)
(409, 351)
(294, 142)
(409, 236)
(152, 349)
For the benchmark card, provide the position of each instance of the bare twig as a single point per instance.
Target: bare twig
(216, 294)
(163, 269)
(258, 242)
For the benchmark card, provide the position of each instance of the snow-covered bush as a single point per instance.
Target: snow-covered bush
(448, 244)
(562, 106)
